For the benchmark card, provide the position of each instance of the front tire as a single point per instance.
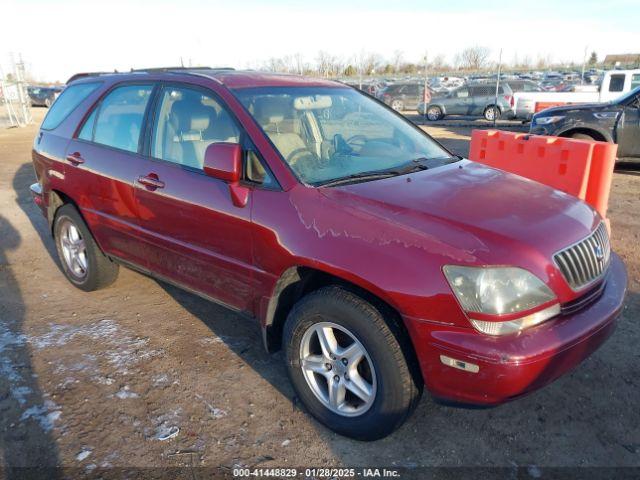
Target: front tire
(397, 105)
(491, 113)
(349, 368)
(582, 136)
(83, 263)
(434, 113)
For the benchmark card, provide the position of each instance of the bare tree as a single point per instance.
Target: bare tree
(439, 63)
(397, 60)
(368, 62)
(473, 58)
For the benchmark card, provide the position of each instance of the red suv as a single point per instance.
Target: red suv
(378, 260)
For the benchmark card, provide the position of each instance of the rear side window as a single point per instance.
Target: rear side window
(67, 102)
(117, 122)
(635, 81)
(616, 83)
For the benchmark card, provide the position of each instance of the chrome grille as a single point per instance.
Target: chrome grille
(586, 261)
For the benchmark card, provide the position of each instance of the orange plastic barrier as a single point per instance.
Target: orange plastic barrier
(539, 106)
(582, 168)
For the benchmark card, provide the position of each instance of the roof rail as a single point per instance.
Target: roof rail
(76, 76)
(146, 70)
(169, 69)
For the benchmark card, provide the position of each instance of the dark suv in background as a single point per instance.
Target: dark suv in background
(403, 96)
(614, 122)
(42, 96)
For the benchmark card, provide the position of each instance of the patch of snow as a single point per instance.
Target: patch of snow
(84, 453)
(46, 414)
(124, 393)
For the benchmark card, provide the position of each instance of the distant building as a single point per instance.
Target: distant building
(622, 59)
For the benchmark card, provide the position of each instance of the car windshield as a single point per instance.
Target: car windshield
(331, 134)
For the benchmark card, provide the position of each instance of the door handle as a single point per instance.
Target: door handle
(151, 181)
(75, 158)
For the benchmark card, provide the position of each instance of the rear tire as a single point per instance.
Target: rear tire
(382, 372)
(82, 261)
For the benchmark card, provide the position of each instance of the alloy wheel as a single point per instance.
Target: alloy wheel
(73, 248)
(338, 369)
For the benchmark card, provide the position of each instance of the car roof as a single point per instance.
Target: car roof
(233, 79)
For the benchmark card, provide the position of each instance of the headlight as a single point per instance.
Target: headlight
(548, 120)
(605, 115)
(501, 291)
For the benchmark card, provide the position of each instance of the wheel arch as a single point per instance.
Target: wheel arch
(57, 199)
(300, 280)
(596, 133)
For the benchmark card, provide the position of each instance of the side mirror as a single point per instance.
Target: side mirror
(224, 162)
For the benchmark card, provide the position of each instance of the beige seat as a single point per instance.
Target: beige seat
(270, 113)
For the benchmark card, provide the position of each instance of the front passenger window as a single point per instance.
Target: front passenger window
(187, 122)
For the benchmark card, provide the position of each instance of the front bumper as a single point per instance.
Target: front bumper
(514, 365)
(541, 130)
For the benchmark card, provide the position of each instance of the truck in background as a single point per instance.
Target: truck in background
(614, 84)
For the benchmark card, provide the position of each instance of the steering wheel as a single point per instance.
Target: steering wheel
(305, 157)
(357, 141)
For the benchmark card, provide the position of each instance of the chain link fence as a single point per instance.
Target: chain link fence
(15, 105)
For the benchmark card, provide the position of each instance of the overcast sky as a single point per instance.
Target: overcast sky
(59, 38)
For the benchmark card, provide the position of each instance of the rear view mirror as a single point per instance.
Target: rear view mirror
(224, 162)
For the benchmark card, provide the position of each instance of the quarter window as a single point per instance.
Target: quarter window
(67, 102)
(119, 117)
(187, 122)
(635, 81)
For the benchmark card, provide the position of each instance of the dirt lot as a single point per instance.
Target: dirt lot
(101, 379)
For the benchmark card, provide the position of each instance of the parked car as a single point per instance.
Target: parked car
(378, 260)
(403, 96)
(478, 99)
(615, 122)
(42, 96)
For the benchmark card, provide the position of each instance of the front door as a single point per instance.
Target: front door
(460, 103)
(628, 131)
(195, 236)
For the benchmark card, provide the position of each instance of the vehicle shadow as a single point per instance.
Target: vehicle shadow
(27, 448)
(240, 334)
(24, 177)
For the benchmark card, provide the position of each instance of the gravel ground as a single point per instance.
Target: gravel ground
(142, 374)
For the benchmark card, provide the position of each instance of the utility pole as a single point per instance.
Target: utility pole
(584, 62)
(496, 110)
(426, 84)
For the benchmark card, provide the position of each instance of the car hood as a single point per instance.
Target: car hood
(468, 207)
(594, 107)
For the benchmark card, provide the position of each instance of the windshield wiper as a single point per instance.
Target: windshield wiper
(413, 166)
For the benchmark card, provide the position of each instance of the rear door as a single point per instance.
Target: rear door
(482, 97)
(193, 234)
(101, 163)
